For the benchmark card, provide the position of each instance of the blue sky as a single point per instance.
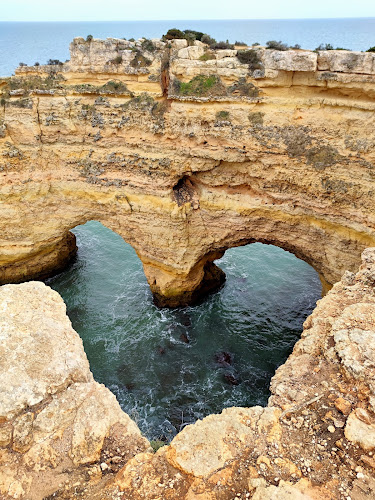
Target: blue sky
(128, 10)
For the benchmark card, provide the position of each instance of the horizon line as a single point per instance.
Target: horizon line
(192, 20)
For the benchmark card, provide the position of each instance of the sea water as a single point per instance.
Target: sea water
(171, 367)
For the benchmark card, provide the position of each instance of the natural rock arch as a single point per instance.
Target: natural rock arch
(282, 155)
(178, 261)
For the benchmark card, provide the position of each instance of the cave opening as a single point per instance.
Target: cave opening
(166, 367)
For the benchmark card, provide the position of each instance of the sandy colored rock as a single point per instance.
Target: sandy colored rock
(290, 60)
(347, 61)
(119, 140)
(30, 319)
(360, 432)
(206, 446)
(54, 416)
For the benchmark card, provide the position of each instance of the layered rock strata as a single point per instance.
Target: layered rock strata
(63, 436)
(186, 152)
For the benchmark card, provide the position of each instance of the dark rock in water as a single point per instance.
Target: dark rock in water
(161, 350)
(184, 338)
(232, 379)
(129, 387)
(223, 358)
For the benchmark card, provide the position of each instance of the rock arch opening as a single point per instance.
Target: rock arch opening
(170, 367)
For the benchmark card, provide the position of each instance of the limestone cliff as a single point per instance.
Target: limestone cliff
(186, 152)
(63, 436)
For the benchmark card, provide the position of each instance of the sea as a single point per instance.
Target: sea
(169, 368)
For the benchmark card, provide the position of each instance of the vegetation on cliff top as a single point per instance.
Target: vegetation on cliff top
(212, 86)
(22, 86)
(191, 36)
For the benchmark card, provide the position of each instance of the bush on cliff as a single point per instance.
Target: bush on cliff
(222, 115)
(273, 44)
(222, 45)
(243, 88)
(197, 34)
(89, 38)
(174, 34)
(140, 61)
(116, 60)
(371, 49)
(54, 62)
(200, 86)
(148, 46)
(325, 46)
(207, 56)
(207, 39)
(250, 57)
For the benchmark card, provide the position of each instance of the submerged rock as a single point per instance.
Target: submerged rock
(223, 358)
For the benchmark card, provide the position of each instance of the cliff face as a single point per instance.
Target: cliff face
(186, 152)
(63, 436)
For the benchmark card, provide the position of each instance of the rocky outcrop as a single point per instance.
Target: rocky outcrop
(63, 436)
(186, 152)
(57, 425)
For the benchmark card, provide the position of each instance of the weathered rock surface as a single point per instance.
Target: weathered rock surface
(186, 156)
(64, 435)
(57, 424)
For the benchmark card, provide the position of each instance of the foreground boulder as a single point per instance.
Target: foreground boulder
(56, 422)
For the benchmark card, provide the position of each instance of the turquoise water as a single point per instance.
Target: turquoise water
(168, 367)
(31, 42)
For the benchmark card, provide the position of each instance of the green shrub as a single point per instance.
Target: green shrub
(89, 38)
(371, 49)
(36, 64)
(131, 40)
(54, 62)
(32, 82)
(250, 57)
(148, 46)
(207, 39)
(207, 56)
(197, 34)
(222, 45)
(114, 86)
(296, 46)
(22, 64)
(240, 44)
(190, 38)
(222, 115)
(140, 61)
(200, 86)
(116, 60)
(273, 44)
(243, 88)
(174, 34)
(326, 46)
(256, 118)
